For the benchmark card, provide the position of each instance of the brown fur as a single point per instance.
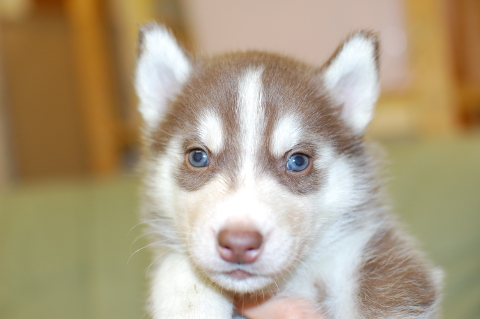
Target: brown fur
(394, 279)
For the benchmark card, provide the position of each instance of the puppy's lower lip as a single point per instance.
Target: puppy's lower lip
(239, 274)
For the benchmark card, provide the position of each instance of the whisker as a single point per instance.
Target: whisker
(140, 236)
(145, 222)
(146, 246)
(154, 261)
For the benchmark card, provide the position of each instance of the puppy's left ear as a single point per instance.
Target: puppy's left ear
(351, 79)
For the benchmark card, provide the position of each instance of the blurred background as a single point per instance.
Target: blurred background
(69, 134)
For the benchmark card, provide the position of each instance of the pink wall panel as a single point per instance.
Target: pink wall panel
(306, 29)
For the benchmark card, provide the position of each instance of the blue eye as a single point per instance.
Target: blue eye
(297, 162)
(198, 158)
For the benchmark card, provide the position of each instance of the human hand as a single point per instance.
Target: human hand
(278, 308)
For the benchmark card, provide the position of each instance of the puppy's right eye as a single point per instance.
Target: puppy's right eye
(297, 162)
(198, 158)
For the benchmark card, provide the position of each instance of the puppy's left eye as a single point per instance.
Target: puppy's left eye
(198, 158)
(297, 162)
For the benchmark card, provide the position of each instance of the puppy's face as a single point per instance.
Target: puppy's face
(252, 155)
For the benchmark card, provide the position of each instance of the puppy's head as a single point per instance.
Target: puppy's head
(251, 157)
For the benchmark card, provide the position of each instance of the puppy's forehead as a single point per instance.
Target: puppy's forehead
(219, 97)
(220, 84)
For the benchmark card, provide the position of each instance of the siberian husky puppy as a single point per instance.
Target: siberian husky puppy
(257, 181)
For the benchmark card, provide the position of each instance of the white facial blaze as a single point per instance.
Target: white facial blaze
(250, 108)
(211, 131)
(286, 135)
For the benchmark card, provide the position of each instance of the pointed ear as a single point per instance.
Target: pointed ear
(162, 68)
(351, 79)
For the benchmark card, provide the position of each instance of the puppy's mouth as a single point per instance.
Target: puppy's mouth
(241, 281)
(239, 274)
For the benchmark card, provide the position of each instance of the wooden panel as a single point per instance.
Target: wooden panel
(433, 88)
(95, 84)
(5, 152)
(49, 3)
(46, 139)
(464, 24)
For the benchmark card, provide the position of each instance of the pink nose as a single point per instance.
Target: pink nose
(239, 245)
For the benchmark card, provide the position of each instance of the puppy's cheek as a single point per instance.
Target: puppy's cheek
(301, 222)
(201, 237)
(279, 252)
(202, 249)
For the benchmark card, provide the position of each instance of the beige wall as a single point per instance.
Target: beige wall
(307, 29)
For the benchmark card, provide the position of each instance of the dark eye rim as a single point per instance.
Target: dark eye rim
(305, 170)
(188, 154)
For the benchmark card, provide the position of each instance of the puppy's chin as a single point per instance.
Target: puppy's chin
(240, 281)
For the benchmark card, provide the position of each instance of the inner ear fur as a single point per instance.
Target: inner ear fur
(351, 77)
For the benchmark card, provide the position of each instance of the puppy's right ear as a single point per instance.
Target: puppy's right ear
(351, 77)
(162, 68)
